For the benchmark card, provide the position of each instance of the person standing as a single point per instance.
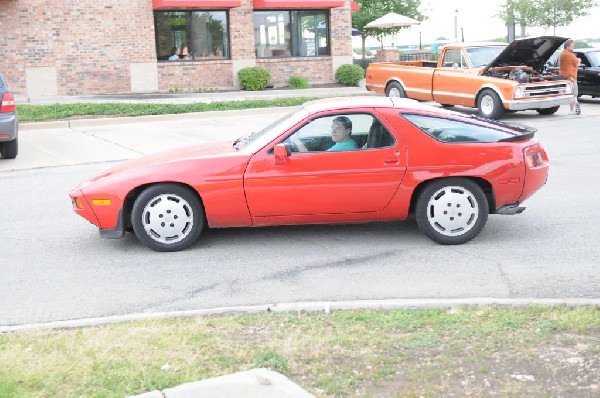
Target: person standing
(567, 64)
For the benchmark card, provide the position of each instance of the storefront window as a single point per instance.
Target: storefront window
(191, 35)
(291, 33)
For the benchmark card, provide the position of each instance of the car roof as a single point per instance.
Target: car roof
(367, 102)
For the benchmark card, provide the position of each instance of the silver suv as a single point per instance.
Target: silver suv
(9, 125)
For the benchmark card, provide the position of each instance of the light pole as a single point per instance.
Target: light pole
(456, 24)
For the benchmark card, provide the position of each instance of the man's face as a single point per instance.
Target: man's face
(339, 132)
(571, 47)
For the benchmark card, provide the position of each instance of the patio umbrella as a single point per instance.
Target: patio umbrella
(392, 20)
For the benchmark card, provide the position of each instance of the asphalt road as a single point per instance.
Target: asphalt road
(53, 265)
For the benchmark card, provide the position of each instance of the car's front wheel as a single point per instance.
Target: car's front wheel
(167, 217)
(452, 211)
(490, 105)
(9, 149)
(547, 111)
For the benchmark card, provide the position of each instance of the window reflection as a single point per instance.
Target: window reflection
(291, 33)
(191, 35)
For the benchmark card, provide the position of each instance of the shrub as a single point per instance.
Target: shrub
(349, 74)
(299, 82)
(254, 78)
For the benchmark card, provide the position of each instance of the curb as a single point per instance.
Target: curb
(325, 306)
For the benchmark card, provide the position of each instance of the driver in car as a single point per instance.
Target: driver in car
(341, 129)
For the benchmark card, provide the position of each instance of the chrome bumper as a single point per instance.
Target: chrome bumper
(523, 105)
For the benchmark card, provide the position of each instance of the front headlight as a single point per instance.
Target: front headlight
(519, 91)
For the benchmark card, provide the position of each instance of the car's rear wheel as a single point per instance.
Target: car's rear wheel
(167, 217)
(452, 211)
(547, 111)
(9, 149)
(395, 90)
(489, 104)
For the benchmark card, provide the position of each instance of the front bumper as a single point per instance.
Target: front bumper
(527, 104)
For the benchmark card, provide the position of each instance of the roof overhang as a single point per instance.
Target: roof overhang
(196, 4)
(286, 4)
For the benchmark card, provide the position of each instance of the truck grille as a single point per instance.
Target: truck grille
(546, 89)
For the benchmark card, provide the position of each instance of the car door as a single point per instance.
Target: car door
(318, 181)
(452, 81)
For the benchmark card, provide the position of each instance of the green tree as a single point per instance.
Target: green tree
(522, 12)
(370, 10)
(544, 13)
(553, 13)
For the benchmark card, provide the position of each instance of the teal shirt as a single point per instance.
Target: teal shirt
(344, 146)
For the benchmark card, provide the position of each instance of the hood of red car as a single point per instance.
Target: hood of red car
(531, 51)
(212, 150)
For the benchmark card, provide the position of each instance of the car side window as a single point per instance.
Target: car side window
(584, 60)
(453, 59)
(339, 132)
(456, 131)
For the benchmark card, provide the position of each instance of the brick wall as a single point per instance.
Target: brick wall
(11, 56)
(189, 76)
(316, 70)
(91, 44)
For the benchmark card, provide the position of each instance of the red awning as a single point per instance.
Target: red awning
(262, 4)
(178, 4)
(354, 6)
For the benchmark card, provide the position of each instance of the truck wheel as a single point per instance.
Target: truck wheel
(547, 111)
(395, 90)
(489, 104)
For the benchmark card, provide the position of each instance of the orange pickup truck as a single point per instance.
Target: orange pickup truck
(493, 77)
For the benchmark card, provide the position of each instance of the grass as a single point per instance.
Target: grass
(36, 113)
(476, 351)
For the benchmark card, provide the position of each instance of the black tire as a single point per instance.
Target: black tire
(452, 211)
(394, 89)
(167, 217)
(489, 104)
(547, 111)
(9, 149)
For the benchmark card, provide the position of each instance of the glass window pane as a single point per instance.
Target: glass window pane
(446, 130)
(208, 31)
(272, 34)
(311, 32)
(193, 35)
(171, 33)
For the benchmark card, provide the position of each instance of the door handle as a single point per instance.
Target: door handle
(390, 161)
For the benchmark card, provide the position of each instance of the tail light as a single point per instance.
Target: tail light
(534, 156)
(8, 103)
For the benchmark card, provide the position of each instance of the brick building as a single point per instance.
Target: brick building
(79, 47)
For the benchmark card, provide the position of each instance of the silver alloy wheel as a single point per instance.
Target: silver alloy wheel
(168, 218)
(487, 104)
(394, 92)
(452, 210)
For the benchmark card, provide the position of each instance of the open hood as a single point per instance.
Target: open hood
(530, 51)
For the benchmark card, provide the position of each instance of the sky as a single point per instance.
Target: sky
(479, 23)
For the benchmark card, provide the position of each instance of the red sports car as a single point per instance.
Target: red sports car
(340, 160)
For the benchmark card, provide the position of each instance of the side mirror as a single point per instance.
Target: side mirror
(281, 153)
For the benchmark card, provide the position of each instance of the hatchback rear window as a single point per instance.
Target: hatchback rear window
(447, 130)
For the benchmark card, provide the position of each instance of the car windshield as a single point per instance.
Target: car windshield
(447, 130)
(594, 58)
(482, 56)
(257, 140)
